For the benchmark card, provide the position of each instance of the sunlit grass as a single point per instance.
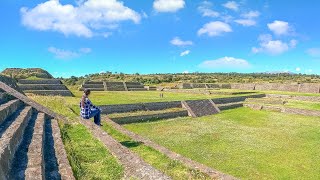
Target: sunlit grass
(244, 143)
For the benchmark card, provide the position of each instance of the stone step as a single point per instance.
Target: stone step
(198, 108)
(92, 89)
(40, 81)
(50, 92)
(8, 109)
(25, 87)
(137, 89)
(35, 163)
(11, 138)
(230, 105)
(94, 82)
(56, 162)
(86, 86)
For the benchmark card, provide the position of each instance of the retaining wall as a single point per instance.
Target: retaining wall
(151, 117)
(40, 81)
(25, 87)
(122, 108)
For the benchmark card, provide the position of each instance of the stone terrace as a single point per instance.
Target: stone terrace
(45, 87)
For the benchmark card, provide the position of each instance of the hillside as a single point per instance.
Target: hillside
(197, 78)
(28, 73)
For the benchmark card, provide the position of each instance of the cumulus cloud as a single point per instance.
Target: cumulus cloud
(298, 69)
(205, 9)
(184, 53)
(178, 42)
(225, 62)
(168, 5)
(314, 52)
(248, 19)
(68, 54)
(81, 20)
(273, 47)
(215, 28)
(279, 27)
(231, 5)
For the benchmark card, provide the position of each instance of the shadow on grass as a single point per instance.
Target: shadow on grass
(131, 144)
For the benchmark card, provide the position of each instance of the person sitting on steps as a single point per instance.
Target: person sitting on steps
(88, 110)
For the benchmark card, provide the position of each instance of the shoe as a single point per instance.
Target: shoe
(99, 124)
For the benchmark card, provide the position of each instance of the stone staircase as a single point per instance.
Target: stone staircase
(198, 108)
(30, 140)
(52, 87)
(93, 86)
(133, 86)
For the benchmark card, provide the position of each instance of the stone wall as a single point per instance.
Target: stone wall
(198, 85)
(122, 108)
(10, 82)
(115, 86)
(309, 88)
(151, 117)
(40, 81)
(243, 86)
(25, 87)
(236, 99)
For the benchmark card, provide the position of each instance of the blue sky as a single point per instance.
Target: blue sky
(69, 37)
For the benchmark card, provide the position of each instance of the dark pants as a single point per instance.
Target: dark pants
(95, 113)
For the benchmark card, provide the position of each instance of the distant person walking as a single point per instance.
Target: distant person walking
(88, 110)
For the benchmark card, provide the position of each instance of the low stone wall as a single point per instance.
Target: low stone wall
(213, 86)
(298, 98)
(236, 99)
(122, 108)
(50, 92)
(92, 86)
(151, 117)
(93, 82)
(309, 88)
(40, 81)
(191, 91)
(243, 86)
(198, 85)
(25, 87)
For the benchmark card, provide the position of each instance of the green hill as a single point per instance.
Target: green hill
(28, 73)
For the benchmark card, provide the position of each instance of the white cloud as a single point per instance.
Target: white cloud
(273, 47)
(298, 69)
(206, 11)
(215, 28)
(178, 42)
(246, 22)
(279, 27)
(314, 52)
(82, 20)
(185, 72)
(251, 14)
(184, 53)
(168, 5)
(231, 5)
(67, 54)
(248, 18)
(225, 62)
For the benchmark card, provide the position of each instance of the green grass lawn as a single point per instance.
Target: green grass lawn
(174, 169)
(303, 105)
(245, 143)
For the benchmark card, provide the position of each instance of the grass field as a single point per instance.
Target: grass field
(244, 143)
(303, 105)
